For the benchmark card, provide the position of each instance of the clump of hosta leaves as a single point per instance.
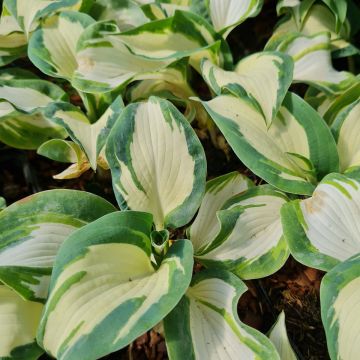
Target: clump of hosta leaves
(80, 279)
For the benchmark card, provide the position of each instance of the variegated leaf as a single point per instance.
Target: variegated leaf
(104, 290)
(19, 320)
(250, 241)
(318, 100)
(157, 163)
(13, 42)
(346, 130)
(91, 138)
(29, 94)
(171, 83)
(324, 229)
(341, 101)
(206, 225)
(22, 103)
(52, 47)
(279, 337)
(205, 324)
(127, 14)
(226, 14)
(318, 19)
(285, 5)
(312, 61)
(33, 229)
(340, 309)
(153, 11)
(263, 77)
(24, 131)
(108, 58)
(28, 12)
(293, 154)
(329, 106)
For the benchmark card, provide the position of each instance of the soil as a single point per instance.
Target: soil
(294, 289)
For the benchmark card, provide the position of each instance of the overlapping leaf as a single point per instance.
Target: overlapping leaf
(171, 83)
(293, 154)
(206, 225)
(52, 47)
(91, 138)
(323, 230)
(108, 58)
(104, 290)
(127, 14)
(205, 324)
(28, 12)
(12, 40)
(67, 152)
(249, 239)
(312, 61)
(33, 229)
(263, 77)
(23, 100)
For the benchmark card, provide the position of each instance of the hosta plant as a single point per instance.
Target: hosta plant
(128, 272)
(119, 86)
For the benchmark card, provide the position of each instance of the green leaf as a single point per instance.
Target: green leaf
(91, 138)
(339, 8)
(227, 14)
(157, 163)
(263, 77)
(33, 229)
(18, 325)
(340, 310)
(346, 128)
(104, 290)
(206, 225)
(61, 150)
(249, 241)
(322, 231)
(279, 337)
(297, 150)
(205, 323)
(2, 203)
(52, 47)
(108, 58)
